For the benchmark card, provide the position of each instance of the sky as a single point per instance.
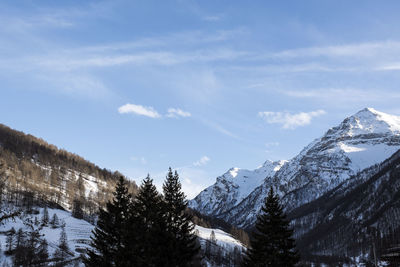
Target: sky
(199, 86)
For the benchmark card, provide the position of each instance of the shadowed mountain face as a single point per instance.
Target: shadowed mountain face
(361, 213)
(360, 141)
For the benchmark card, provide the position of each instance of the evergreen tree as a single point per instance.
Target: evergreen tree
(150, 234)
(272, 243)
(54, 221)
(109, 242)
(31, 249)
(62, 252)
(45, 217)
(19, 252)
(42, 253)
(77, 211)
(182, 242)
(213, 239)
(10, 240)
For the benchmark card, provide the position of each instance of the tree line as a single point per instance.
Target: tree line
(151, 229)
(148, 229)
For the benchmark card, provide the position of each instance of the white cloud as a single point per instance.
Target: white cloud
(139, 110)
(288, 120)
(176, 112)
(202, 161)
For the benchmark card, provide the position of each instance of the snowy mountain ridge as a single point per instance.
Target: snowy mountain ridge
(232, 187)
(360, 141)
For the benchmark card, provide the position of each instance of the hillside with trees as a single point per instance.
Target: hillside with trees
(34, 171)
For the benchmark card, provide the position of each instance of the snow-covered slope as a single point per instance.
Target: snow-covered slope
(361, 140)
(223, 239)
(232, 187)
(78, 231)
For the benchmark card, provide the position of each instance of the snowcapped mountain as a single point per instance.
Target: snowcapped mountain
(232, 187)
(365, 205)
(361, 140)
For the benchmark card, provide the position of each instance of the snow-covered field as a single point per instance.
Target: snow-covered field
(78, 231)
(223, 239)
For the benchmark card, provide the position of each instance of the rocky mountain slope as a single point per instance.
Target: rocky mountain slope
(360, 217)
(232, 187)
(361, 140)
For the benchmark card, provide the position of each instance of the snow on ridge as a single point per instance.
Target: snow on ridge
(370, 120)
(223, 239)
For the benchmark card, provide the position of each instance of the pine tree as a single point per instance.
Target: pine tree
(213, 239)
(42, 253)
(77, 211)
(19, 252)
(62, 252)
(30, 248)
(272, 243)
(109, 241)
(45, 217)
(150, 234)
(182, 242)
(10, 240)
(54, 221)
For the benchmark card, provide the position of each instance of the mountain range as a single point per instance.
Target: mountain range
(359, 142)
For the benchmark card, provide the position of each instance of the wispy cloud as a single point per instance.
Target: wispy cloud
(289, 120)
(343, 94)
(139, 110)
(366, 49)
(219, 128)
(202, 161)
(176, 112)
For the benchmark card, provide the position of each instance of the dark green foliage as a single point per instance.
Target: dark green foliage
(109, 237)
(77, 210)
(62, 252)
(151, 231)
(272, 243)
(30, 250)
(55, 222)
(10, 241)
(148, 230)
(45, 217)
(42, 253)
(182, 247)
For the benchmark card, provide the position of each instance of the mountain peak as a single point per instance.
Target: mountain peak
(368, 121)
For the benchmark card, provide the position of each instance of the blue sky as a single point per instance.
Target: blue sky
(200, 86)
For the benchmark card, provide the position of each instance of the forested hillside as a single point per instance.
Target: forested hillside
(33, 170)
(360, 217)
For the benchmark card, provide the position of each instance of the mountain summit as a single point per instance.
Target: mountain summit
(360, 141)
(232, 187)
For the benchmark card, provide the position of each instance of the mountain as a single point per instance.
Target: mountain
(35, 176)
(361, 140)
(232, 187)
(31, 169)
(359, 217)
